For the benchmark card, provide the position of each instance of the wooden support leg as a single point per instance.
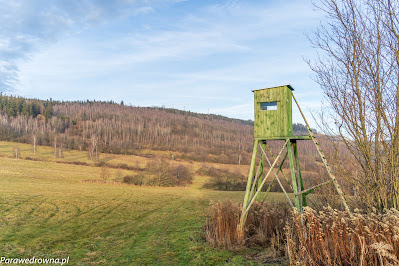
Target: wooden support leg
(255, 181)
(293, 176)
(299, 175)
(261, 170)
(251, 174)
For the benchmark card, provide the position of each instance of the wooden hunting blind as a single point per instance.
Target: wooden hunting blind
(273, 112)
(273, 121)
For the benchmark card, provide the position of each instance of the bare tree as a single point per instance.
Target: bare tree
(34, 144)
(60, 150)
(93, 148)
(358, 69)
(55, 145)
(17, 152)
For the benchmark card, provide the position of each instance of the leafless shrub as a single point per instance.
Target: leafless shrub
(223, 179)
(357, 68)
(183, 175)
(32, 159)
(70, 162)
(160, 172)
(137, 180)
(104, 172)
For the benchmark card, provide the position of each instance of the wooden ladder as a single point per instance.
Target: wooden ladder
(323, 158)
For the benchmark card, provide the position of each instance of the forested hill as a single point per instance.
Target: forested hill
(115, 128)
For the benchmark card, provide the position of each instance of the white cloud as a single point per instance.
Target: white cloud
(209, 57)
(28, 25)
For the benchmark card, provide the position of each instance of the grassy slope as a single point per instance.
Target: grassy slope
(46, 210)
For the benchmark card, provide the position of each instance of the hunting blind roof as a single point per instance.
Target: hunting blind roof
(284, 85)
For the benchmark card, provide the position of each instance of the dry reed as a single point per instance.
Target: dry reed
(326, 237)
(265, 226)
(331, 237)
(222, 224)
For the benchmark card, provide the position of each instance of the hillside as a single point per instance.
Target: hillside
(115, 128)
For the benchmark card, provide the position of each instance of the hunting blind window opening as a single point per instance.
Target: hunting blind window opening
(268, 106)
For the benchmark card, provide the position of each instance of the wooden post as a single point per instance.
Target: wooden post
(293, 176)
(251, 174)
(255, 181)
(261, 169)
(299, 175)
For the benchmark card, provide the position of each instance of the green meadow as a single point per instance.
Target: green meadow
(52, 209)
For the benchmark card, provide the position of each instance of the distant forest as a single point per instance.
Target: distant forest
(111, 127)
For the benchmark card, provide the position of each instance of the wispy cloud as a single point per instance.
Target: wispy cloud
(28, 26)
(194, 54)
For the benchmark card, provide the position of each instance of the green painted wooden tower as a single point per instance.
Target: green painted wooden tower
(273, 112)
(273, 121)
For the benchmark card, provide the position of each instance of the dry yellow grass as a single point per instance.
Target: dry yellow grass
(46, 209)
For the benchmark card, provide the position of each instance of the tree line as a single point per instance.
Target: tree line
(115, 128)
(19, 106)
(98, 126)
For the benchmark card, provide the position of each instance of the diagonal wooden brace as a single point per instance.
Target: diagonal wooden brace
(311, 189)
(245, 208)
(276, 177)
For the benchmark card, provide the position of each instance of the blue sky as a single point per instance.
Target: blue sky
(192, 55)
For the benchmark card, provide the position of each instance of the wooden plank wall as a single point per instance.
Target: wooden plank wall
(273, 123)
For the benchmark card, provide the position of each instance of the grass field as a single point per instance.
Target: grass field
(48, 209)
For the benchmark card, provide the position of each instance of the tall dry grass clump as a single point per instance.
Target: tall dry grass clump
(325, 237)
(221, 227)
(331, 237)
(264, 226)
